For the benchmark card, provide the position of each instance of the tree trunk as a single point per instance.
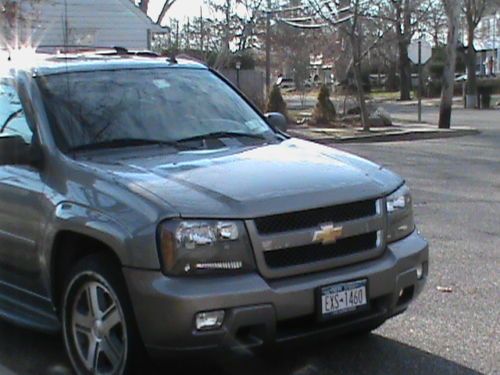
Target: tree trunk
(390, 70)
(365, 121)
(403, 25)
(166, 6)
(225, 53)
(471, 87)
(451, 8)
(356, 48)
(404, 72)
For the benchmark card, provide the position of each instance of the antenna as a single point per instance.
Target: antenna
(65, 25)
(66, 42)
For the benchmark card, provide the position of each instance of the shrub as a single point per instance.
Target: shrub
(276, 102)
(324, 112)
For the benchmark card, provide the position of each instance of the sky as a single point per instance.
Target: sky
(180, 10)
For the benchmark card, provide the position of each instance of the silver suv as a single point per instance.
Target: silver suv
(146, 204)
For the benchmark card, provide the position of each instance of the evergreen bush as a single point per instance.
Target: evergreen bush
(324, 112)
(276, 103)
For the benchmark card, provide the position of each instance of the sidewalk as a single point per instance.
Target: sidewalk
(398, 132)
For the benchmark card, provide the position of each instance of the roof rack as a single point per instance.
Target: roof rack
(106, 51)
(67, 49)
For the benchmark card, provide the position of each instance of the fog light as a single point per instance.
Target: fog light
(420, 271)
(401, 293)
(209, 320)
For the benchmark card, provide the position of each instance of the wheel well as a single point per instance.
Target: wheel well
(69, 248)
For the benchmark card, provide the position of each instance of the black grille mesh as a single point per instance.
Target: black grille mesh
(312, 218)
(318, 252)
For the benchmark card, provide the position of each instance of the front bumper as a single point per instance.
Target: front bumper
(262, 311)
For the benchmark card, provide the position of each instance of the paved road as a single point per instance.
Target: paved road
(456, 184)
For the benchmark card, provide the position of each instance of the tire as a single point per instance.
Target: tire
(99, 328)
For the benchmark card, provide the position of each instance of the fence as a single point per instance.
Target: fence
(251, 82)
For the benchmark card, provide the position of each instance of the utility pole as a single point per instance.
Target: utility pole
(188, 36)
(268, 47)
(202, 31)
(177, 41)
(420, 77)
(496, 53)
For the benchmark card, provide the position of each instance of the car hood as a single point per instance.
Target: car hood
(252, 181)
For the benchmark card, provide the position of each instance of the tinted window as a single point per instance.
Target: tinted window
(156, 104)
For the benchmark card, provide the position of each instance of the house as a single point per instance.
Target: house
(103, 23)
(487, 43)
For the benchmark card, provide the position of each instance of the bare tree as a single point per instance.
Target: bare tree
(473, 11)
(404, 32)
(166, 6)
(434, 22)
(452, 15)
(9, 11)
(239, 24)
(15, 19)
(351, 18)
(407, 16)
(144, 6)
(226, 27)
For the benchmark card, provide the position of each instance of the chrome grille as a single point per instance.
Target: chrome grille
(318, 252)
(311, 218)
(284, 245)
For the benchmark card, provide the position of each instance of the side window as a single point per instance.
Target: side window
(12, 119)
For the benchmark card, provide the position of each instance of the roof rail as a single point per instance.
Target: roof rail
(56, 48)
(121, 50)
(107, 51)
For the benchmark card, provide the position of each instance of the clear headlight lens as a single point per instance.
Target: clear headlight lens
(193, 234)
(399, 200)
(192, 247)
(400, 212)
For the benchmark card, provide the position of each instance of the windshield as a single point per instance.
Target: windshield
(164, 105)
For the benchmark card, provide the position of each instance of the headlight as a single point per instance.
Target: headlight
(400, 211)
(197, 247)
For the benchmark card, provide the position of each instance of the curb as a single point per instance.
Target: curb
(394, 137)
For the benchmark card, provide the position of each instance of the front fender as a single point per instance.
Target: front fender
(69, 216)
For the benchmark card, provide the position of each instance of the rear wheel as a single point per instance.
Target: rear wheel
(98, 326)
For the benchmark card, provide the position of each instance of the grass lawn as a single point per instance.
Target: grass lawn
(384, 95)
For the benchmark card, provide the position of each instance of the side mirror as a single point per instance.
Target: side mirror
(277, 121)
(15, 151)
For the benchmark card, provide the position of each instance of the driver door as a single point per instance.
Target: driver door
(21, 191)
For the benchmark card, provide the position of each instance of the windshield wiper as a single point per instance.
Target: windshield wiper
(216, 135)
(11, 117)
(126, 142)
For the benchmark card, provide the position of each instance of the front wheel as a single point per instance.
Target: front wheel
(97, 320)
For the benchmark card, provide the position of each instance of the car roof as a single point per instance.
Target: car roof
(43, 64)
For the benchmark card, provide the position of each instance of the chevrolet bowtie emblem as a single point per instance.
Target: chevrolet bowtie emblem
(328, 234)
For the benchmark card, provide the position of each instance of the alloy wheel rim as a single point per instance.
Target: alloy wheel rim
(98, 329)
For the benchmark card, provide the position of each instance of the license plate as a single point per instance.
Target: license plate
(343, 298)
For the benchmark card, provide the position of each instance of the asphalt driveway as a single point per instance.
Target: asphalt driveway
(454, 328)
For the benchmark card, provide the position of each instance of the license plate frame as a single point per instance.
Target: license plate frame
(332, 289)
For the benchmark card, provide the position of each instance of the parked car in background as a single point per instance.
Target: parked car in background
(286, 83)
